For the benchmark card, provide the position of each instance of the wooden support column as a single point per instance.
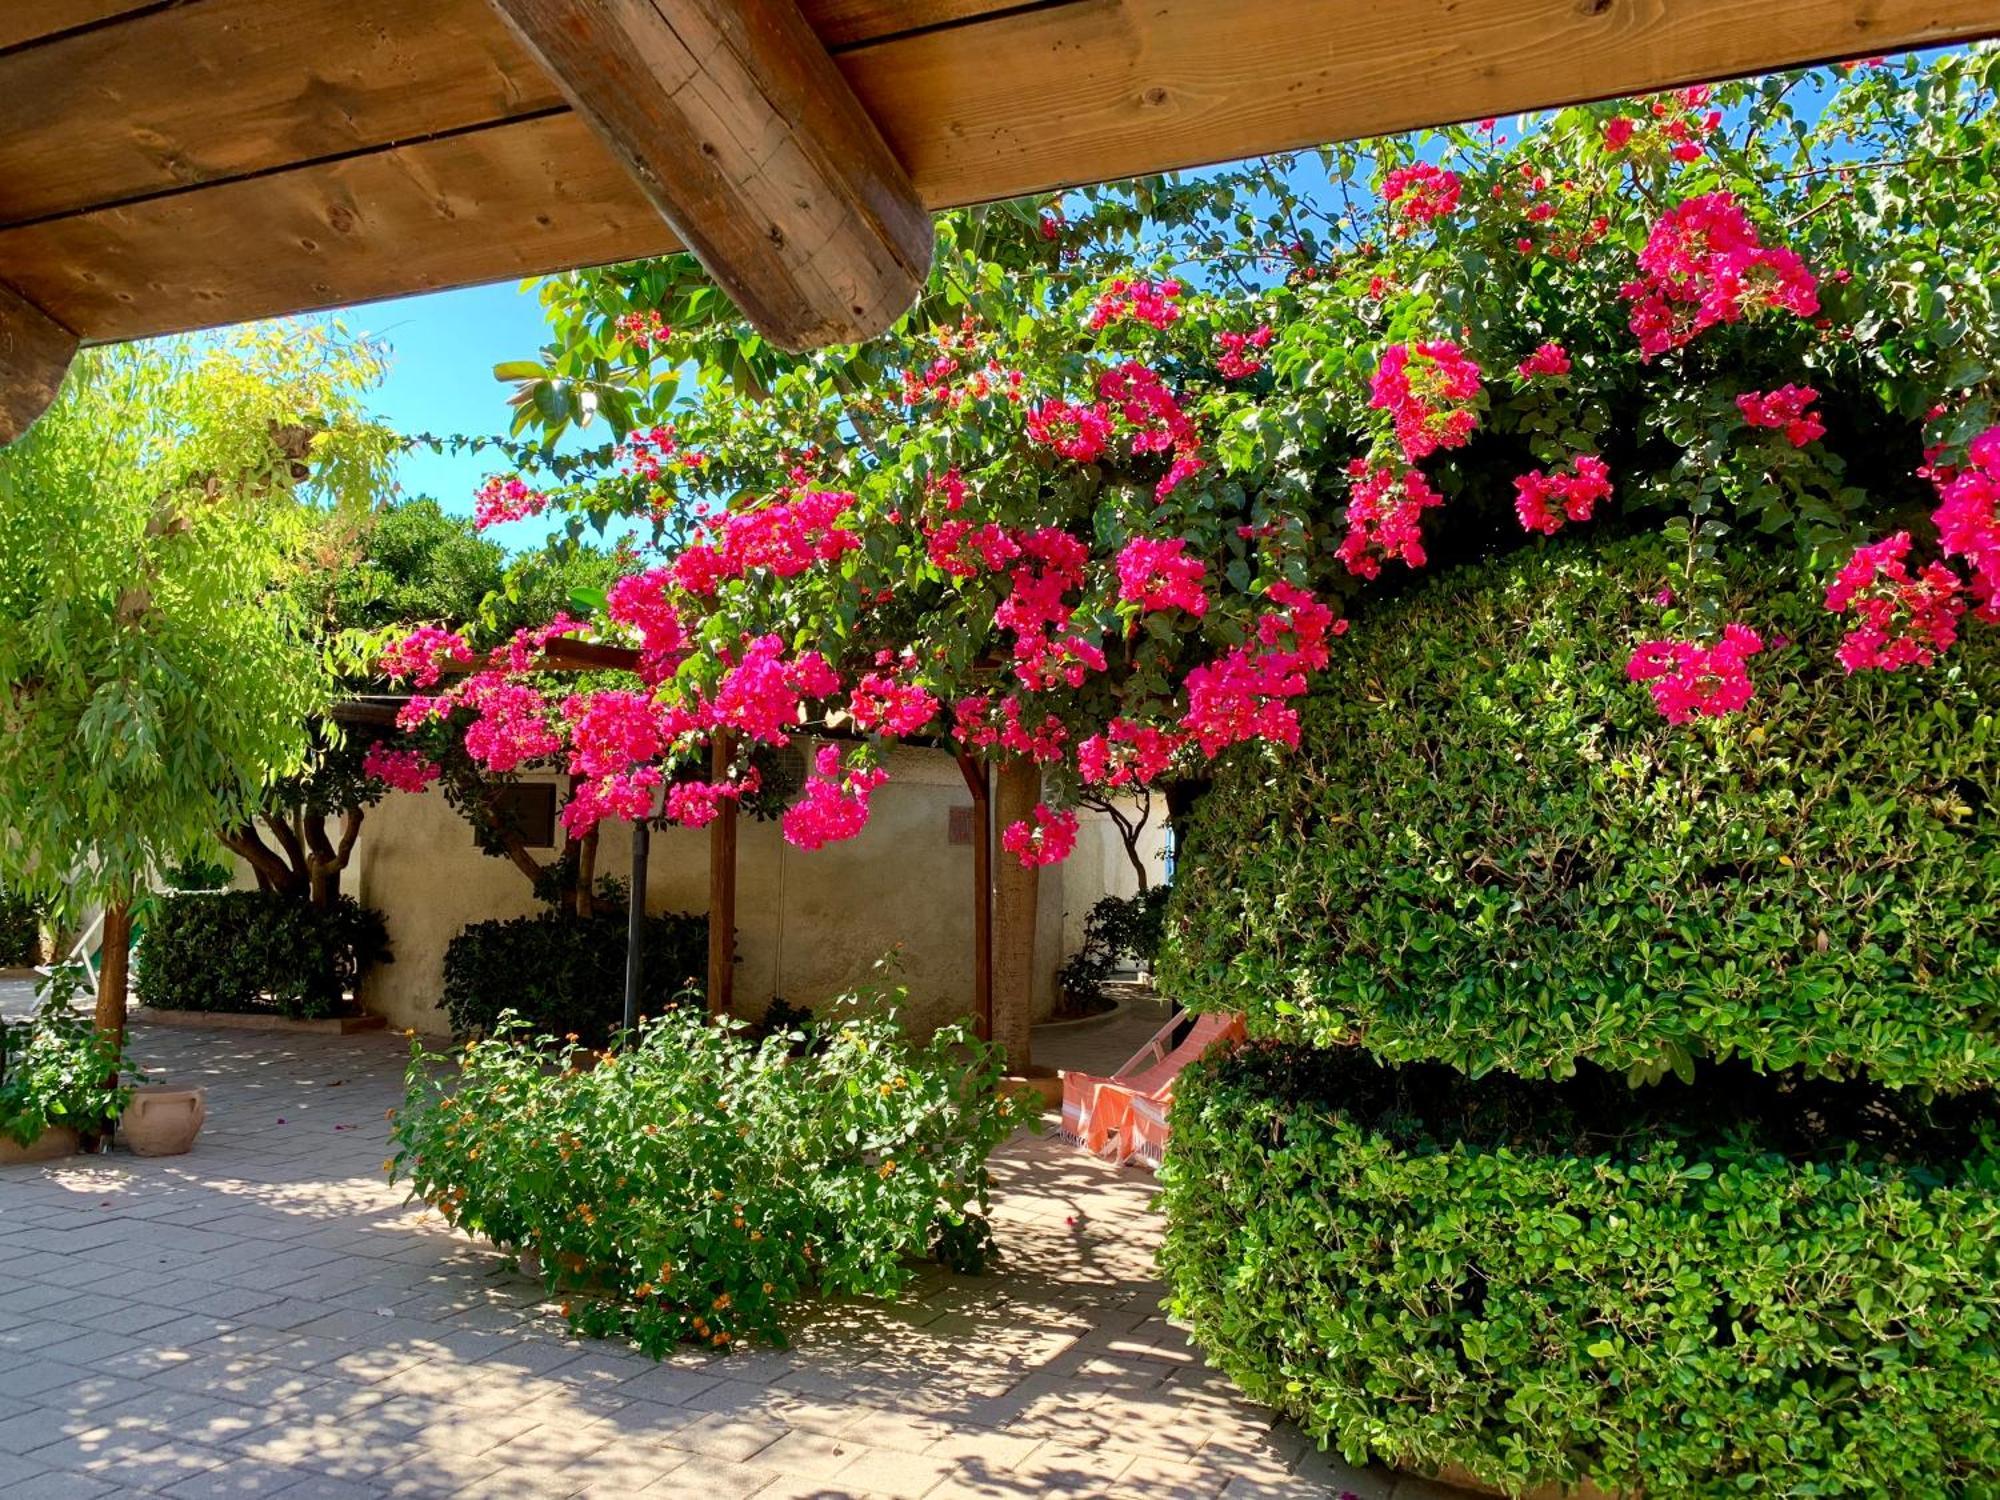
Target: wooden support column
(722, 888)
(738, 127)
(1016, 915)
(35, 353)
(978, 781)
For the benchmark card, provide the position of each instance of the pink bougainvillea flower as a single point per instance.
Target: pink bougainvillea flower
(1784, 408)
(1428, 388)
(1156, 573)
(404, 770)
(1245, 693)
(1618, 132)
(1082, 433)
(1384, 519)
(834, 805)
(1156, 303)
(505, 498)
(1545, 501)
(644, 329)
(885, 703)
(1689, 680)
(1420, 193)
(1968, 519)
(1236, 353)
(423, 654)
(1548, 359)
(1703, 264)
(1900, 620)
(625, 794)
(1048, 841)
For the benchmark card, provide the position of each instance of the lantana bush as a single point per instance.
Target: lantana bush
(692, 1185)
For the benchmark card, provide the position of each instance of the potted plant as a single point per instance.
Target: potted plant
(56, 1094)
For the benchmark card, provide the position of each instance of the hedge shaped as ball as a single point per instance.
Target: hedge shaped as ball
(1491, 850)
(1418, 1278)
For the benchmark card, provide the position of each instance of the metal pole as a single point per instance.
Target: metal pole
(635, 925)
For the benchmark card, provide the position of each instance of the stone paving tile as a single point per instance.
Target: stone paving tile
(265, 1317)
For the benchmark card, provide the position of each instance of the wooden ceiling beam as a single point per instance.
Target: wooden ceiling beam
(740, 130)
(35, 354)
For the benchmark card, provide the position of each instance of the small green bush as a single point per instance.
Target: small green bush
(1690, 1302)
(1117, 927)
(53, 1069)
(1490, 849)
(256, 951)
(691, 1186)
(565, 976)
(20, 931)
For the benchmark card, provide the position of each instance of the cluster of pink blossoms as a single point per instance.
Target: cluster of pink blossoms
(404, 770)
(1156, 303)
(641, 602)
(1246, 693)
(1685, 123)
(644, 329)
(1385, 518)
(761, 694)
(511, 727)
(1420, 194)
(885, 703)
(506, 498)
(1048, 841)
(1548, 359)
(1429, 389)
(1129, 753)
(987, 723)
(1703, 265)
(834, 805)
(1236, 353)
(1688, 679)
(696, 804)
(1901, 621)
(423, 654)
(784, 538)
(1038, 614)
(1156, 573)
(1132, 400)
(1968, 519)
(648, 453)
(1784, 408)
(1545, 501)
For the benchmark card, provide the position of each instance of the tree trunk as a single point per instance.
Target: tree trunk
(1016, 908)
(114, 969)
(586, 876)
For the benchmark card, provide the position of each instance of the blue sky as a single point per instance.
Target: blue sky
(442, 349)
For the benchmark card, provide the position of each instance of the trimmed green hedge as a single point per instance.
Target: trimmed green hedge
(257, 951)
(1492, 851)
(566, 976)
(1427, 1270)
(20, 931)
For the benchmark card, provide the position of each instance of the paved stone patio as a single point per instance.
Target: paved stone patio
(265, 1316)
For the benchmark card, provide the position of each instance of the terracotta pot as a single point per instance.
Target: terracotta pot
(57, 1141)
(163, 1121)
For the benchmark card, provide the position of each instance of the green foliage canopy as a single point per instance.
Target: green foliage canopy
(155, 674)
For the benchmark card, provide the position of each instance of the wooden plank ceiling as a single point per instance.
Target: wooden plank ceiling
(186, 163)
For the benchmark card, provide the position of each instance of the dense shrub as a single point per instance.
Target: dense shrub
(691, 1186)
(564, 975)
(53, 1071)
(1428, 1270)
(257, 950)
(1491, 850)
(20, 931)
(1115, 929)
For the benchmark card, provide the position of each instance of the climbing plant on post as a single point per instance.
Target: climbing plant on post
(154, 675)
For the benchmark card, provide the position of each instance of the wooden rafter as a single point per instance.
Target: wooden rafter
(166, 167)
(35, 351)
(742, 133)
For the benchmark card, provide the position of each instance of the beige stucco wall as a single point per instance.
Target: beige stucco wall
(810, 924)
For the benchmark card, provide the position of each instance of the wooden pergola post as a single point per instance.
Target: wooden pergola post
(1016, 914)
(979, 783)
(722, 888)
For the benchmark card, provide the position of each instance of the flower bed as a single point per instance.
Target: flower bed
(1680, 1292)
(694, 1185)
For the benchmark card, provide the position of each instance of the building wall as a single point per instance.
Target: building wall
(810, 924)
